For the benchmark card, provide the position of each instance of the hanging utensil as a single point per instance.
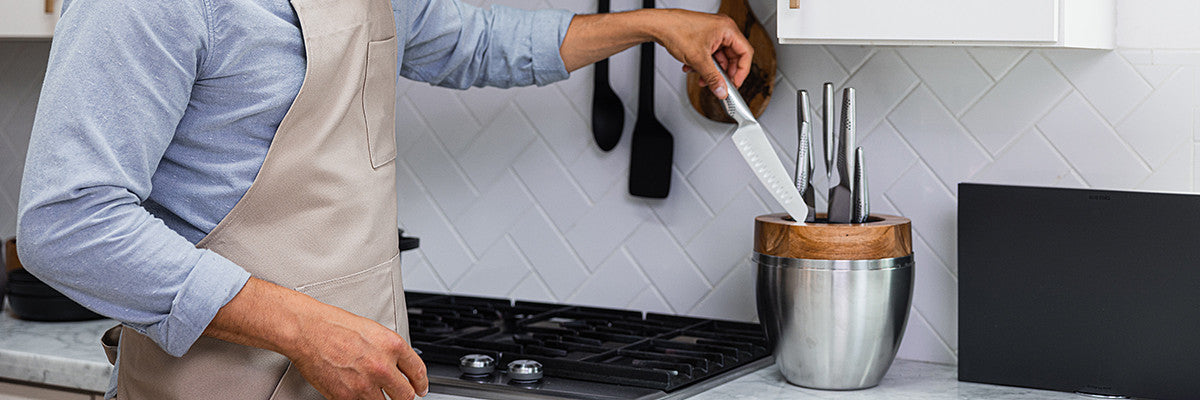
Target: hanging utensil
(652, 151)
(608, 113)
(752, 143)
(804, 155)
(841, 197)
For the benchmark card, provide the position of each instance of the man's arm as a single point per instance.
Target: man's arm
(691, 37)
(343, 355)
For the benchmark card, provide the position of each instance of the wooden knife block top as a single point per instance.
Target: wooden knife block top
(883, 236)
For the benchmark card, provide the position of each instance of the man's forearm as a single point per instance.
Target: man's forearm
(595, 37)
(693, 38)
(243, 320)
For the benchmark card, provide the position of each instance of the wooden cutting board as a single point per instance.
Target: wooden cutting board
(757, 88)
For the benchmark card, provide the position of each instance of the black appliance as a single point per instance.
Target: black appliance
(1078, 290)
(577, 352)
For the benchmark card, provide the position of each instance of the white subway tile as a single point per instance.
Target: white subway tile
(1091, 146)
(938, 138)
(496, 273)
(440, 175)
(1105, 79)
(448, 256)
(808, 67)
(556, 121)
(850, 57)
(997, 61)
(721, 175)
(950, 72)
(493, 213)
(881, 83)
(1015, 103)
(728, 238)
(733, 297)
(1164, 120)
(1031, 160)
(495, 149)
(886, 156)
(551, 185)
(455, 126)
(531, 289)
(616, 283)
(1175, 174)
(683, 212)
(607, 225)
(486, 103)
(921, 343)
(935, 293)
(933, 210)
(668, 266)
(549, 254)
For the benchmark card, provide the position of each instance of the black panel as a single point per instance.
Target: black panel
(1080, 290)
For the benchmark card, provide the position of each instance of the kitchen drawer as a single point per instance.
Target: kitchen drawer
(1021, 23)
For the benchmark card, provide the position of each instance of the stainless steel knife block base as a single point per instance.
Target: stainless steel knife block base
(834, 298)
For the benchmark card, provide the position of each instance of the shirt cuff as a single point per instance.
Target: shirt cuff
(549, 30)
(212, 283)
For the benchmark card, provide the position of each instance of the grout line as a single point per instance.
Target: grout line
(441, 214)
(975, 103)
(953, 351)
(1070, 167)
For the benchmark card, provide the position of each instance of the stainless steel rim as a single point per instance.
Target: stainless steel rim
(765, 260)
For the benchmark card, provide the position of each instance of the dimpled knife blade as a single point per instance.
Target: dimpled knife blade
(752, 143)
(862, 206)
(841, 197)
(804, 155)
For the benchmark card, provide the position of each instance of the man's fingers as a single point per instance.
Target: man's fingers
(712, 78)
(413, 368)
(398, 388)
(740, 51)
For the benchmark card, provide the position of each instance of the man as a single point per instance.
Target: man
(218, 175)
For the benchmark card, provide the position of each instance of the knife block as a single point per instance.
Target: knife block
(834, 298)
(882, 236)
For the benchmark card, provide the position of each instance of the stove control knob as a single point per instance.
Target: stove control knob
(476, 364)
(525, 370)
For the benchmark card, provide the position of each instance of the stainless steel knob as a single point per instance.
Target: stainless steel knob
(525, 370)
(476, 364)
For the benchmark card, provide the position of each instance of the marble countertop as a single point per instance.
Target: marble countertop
(69, 355)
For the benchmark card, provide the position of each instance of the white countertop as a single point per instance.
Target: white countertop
(69, 355)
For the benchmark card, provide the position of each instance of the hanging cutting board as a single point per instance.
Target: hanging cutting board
(757, 87)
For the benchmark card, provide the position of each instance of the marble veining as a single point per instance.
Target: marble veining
(69, 355)
(64, 354)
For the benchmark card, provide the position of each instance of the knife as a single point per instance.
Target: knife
(827, 125)
(804, 155)
(841, 197)
(752, 143)
(862, 207)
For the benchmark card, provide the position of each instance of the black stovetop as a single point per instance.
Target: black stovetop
(601, 352)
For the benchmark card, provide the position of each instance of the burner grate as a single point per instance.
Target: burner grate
(655, 351)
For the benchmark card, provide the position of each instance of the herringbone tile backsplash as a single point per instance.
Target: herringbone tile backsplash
(512, 199)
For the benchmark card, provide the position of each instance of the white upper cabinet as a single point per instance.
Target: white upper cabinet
(1020, 23)
(28, 18)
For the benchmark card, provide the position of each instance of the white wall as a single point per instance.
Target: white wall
(511, 198)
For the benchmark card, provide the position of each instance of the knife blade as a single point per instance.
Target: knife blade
(804, 155)
(841, 197)
(862, 207)
(827, 126)
(752, 143)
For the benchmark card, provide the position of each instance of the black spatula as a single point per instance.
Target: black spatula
(653, 146)
(608, 114)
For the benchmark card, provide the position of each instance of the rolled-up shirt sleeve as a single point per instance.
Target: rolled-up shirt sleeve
(118, 82)
(452, 44)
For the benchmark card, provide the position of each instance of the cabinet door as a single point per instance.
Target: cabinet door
(28, 18)
(917, 21)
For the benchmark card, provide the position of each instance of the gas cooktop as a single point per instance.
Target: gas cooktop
(497, 348)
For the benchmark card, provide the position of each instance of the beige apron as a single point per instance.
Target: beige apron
(320, 217)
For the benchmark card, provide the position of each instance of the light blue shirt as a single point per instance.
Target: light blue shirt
(155, 117)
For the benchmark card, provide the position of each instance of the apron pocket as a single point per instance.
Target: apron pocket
(379, 101)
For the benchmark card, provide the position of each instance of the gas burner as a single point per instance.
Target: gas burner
(476, 365)
(525, 371)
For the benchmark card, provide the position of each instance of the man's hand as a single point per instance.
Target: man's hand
(344, 356)
(691, 37)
